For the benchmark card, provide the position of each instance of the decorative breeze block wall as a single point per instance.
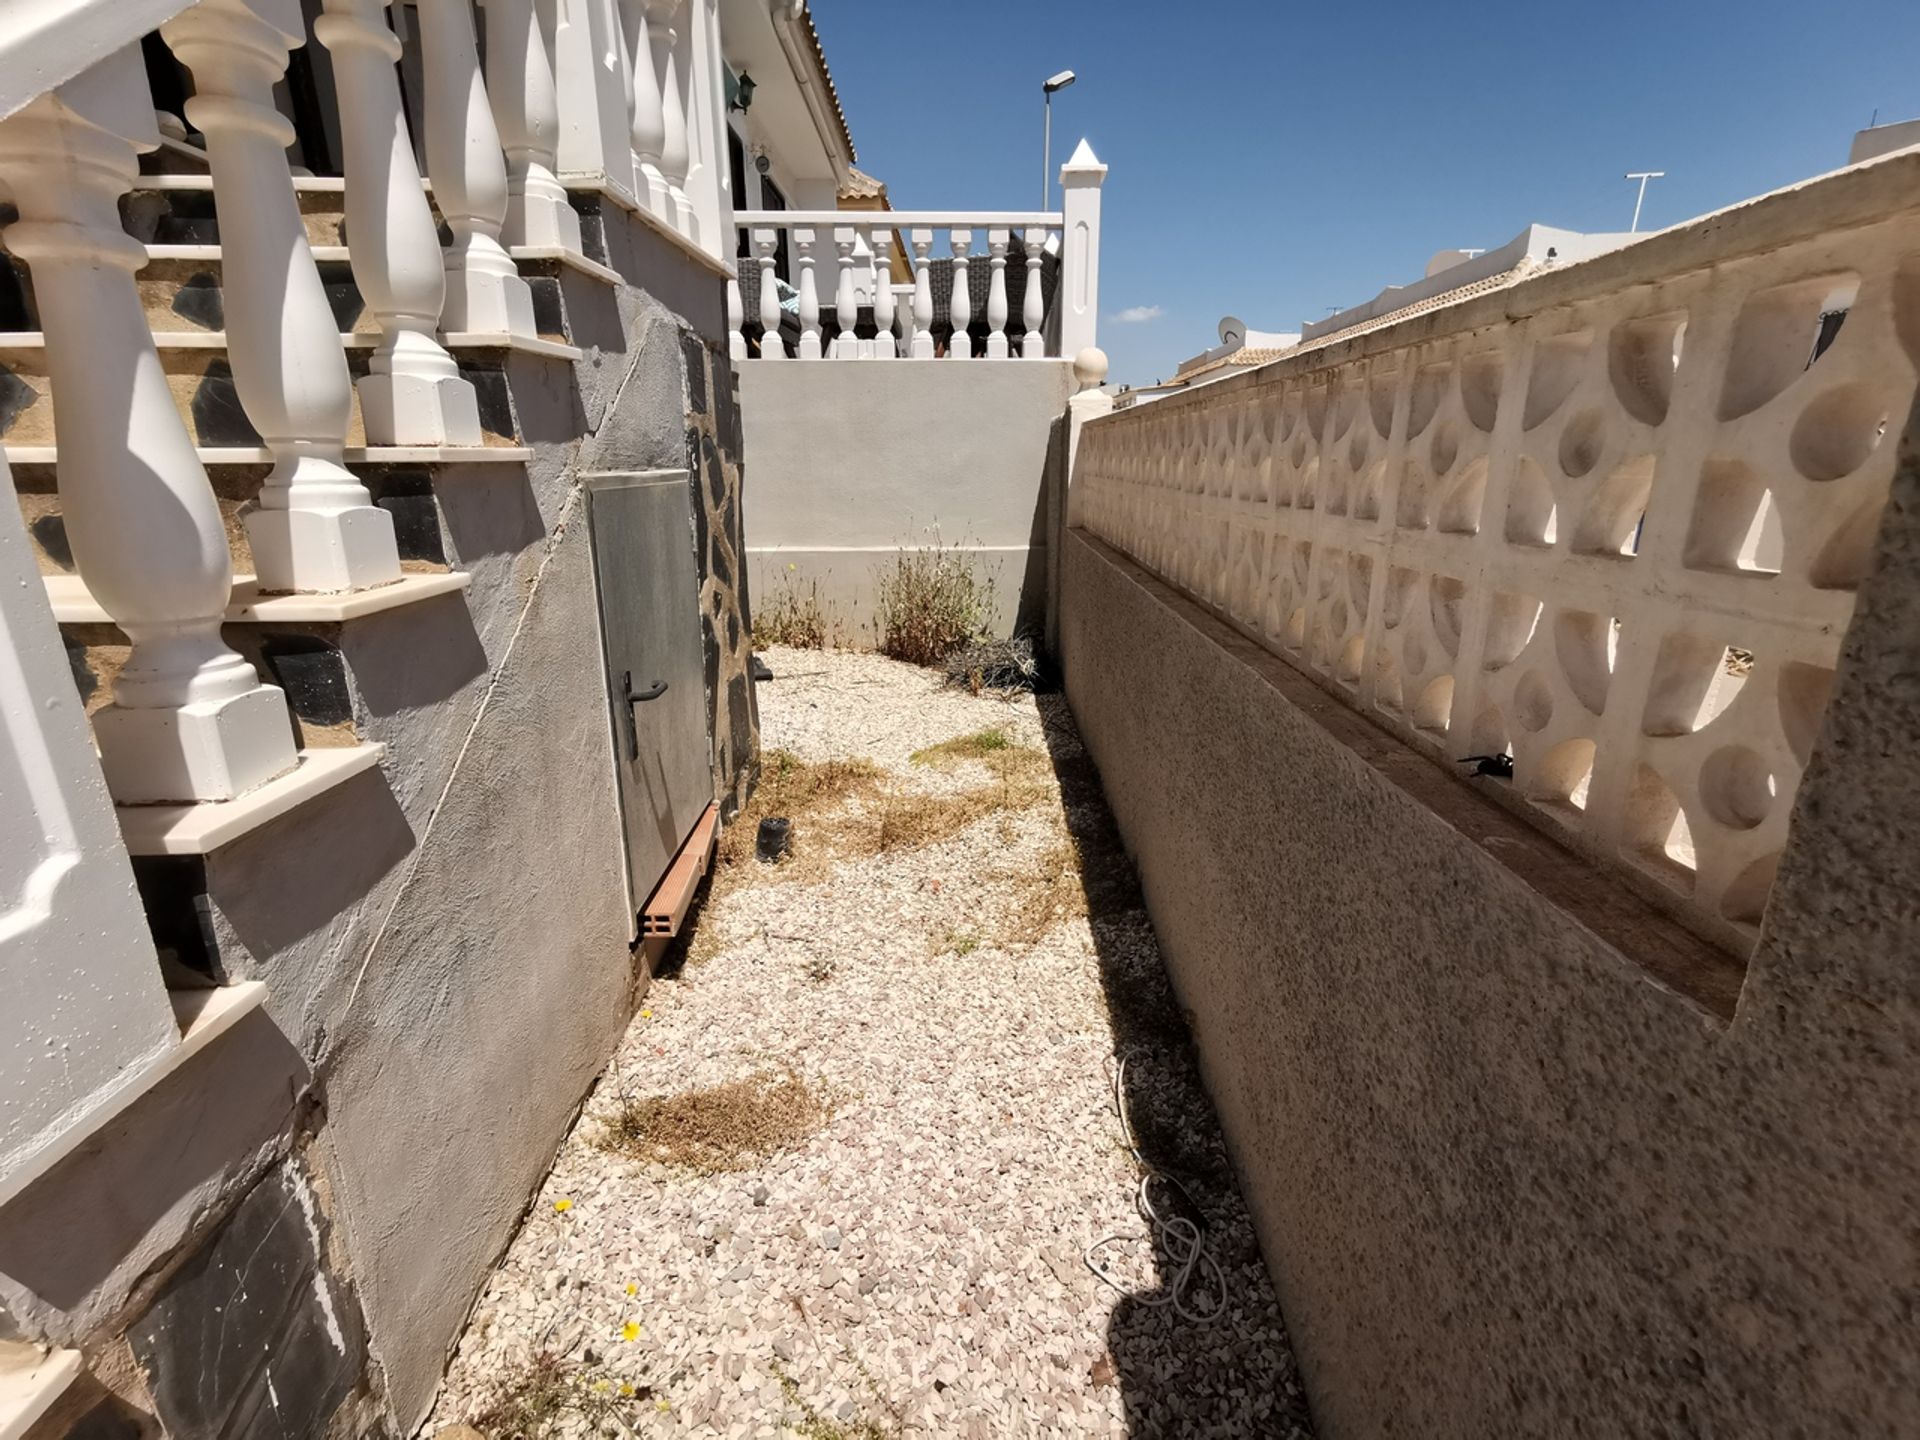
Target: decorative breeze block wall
(1607, 522)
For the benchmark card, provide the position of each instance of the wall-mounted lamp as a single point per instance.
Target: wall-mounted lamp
(743, 89)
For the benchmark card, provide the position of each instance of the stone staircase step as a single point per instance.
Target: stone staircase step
(73, 603)
(296, 642)
(200, 378)
(199, 829)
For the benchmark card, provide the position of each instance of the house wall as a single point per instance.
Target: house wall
(444, 941)
(1509, 1183)
(854, 461)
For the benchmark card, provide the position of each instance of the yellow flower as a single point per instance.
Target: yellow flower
(630, 1331)
(625, 1389)
(646, 1014)
(633, 1289)
(602, 1387)
(661, 1406)
(563, 1205)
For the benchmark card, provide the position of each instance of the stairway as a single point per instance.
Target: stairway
(313, 647)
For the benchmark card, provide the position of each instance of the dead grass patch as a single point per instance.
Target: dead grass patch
(1045, 893)
(805, 791)
(721, 1128)
(994, 748)
(913, 820)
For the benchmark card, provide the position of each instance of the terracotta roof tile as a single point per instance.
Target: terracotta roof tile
(826, 75)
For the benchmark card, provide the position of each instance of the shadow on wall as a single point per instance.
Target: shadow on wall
(1049, 505)
(1234, 1376)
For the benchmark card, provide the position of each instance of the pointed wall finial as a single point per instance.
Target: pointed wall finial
(1083, 167)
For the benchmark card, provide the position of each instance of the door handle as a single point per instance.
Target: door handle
(627, 693)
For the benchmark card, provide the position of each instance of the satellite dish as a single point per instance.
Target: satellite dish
(1233, 332)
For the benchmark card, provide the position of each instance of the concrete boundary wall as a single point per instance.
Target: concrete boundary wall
(853, 461)
(1519, 1164)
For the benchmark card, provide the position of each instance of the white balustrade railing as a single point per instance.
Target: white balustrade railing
(190, 720)
(1603, 526)
(875, 318)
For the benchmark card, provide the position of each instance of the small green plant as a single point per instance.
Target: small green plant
(795, 616)
(930, 604)
(960, 942)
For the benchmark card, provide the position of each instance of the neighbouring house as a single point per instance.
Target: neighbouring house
(1239, 349)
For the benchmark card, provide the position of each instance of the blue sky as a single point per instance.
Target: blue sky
(1274, 160)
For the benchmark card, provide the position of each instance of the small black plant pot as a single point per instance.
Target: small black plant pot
(775, 835)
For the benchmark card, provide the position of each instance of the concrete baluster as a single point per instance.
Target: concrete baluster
(960, 347)
(997, 241)
(846, 302)
(881, 243)
(649, 114)
(1033, 305)
(736, 317)
(526, 109)
(922, 242)
(485, 293)
(765, 244)
(315, 528)
(676, 154)
(190, 719)
(413, 393)
(809, 296)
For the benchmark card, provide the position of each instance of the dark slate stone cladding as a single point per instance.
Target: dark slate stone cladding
(218, 418)
(252, 1337)
(199, 300)
(714, 470)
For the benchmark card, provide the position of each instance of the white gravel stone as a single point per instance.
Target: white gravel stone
(917, 1263)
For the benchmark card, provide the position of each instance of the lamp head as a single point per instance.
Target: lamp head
(1058, 82)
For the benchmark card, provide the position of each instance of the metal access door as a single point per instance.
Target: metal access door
(649, 582)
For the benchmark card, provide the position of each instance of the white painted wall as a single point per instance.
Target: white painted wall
(847, 463)
(83, 1016)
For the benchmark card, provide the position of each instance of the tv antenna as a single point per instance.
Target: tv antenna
(1643, 176)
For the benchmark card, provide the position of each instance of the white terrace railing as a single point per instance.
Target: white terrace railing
(191, 721)
(860, 313)
(1603, 526)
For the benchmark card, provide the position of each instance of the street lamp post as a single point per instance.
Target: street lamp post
(1643, 176)
(1058, 82)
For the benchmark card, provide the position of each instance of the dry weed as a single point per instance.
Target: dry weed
(721, 1128)
(797, 617)
(552, 1391)
(931, 604)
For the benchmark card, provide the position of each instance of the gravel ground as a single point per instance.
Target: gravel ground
(916, 1266)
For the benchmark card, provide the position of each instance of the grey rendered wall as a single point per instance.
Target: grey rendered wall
(444, 940)
(853, 460)
(1514, 1169)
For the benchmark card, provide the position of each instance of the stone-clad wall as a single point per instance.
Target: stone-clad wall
(1509, 1180)
(285, 1237)
(714, 460)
